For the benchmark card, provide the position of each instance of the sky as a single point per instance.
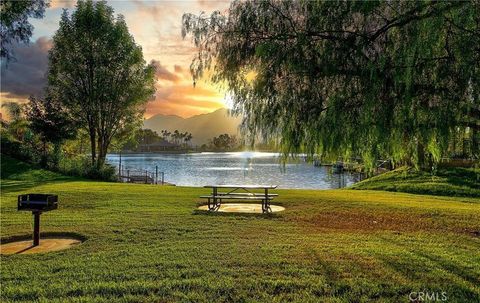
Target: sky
(156, 27)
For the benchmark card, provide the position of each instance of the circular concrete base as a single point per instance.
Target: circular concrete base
(46, 245)
(243, 208)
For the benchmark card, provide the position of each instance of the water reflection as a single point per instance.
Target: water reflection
(236, 167)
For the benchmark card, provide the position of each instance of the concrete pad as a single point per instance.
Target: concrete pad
(46, 245)
(243, 208)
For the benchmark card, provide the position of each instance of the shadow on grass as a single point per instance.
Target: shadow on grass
(21, 176)
(44, 235)
(461, 177)
(238, 214)
(8, 186)
(420, 266)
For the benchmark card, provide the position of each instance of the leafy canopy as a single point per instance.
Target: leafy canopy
(98, 72)
(369, 79)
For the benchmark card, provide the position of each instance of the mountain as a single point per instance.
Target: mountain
(203, 127)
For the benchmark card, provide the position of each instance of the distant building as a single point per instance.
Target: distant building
(157, 146)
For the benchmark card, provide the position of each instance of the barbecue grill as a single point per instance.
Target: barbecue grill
(37, 203)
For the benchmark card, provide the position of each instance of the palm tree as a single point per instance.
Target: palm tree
(188, 137)
(182, 138)
(176, 136)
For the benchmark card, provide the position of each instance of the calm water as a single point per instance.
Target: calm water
(235, 168)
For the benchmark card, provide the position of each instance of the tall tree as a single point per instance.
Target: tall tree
(348, 78)
(14, 24)
(98, 72)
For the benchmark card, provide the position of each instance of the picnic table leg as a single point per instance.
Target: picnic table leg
(214, 198)
(267, 202)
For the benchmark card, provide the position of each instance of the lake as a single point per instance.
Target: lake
(199, 169)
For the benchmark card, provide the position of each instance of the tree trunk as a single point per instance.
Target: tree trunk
(93, 145)
(475, 144)
(102, 150)
(56, 155)
(100, 157)
(44, 159)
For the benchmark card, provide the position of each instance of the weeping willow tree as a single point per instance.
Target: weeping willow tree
(395, 80)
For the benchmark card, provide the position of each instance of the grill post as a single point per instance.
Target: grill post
(36, 227)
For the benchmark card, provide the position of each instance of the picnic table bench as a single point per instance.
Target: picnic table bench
(239, 192)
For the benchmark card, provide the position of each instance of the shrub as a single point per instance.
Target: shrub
(81, 166)
(105, 173)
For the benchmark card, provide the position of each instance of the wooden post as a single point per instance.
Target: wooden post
(163, 178)
(36, 228)
(156, 174)
(146, 175)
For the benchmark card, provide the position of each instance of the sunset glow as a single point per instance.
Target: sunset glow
(156, 26)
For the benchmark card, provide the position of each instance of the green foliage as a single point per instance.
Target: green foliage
(48, 119)
(15, 26)
(17, 127)
(445, 182)
(52, 124)
(375, 79)
(97, 71)
(224, 142)
(22, 150)
(146, 243)
(80, 166)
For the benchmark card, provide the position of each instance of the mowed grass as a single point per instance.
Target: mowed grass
(147, 243)
(462, 182)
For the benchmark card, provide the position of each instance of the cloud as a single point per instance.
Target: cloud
(178, 69)
(219, 5)
(26, 75)
(185, 100)
(162, 73)
(62, 4)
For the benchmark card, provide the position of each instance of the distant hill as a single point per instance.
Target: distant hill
(203, 127)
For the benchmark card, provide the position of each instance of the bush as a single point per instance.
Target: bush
(81, 166)
(13, 148)
(106, 173)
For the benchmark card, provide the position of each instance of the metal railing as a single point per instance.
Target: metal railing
(135, 175)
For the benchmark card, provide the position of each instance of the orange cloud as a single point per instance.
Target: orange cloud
(62, 4)
(185, 100)
(156, 26)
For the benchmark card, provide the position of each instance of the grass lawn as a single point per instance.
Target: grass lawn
(147, 243)
(461, 182)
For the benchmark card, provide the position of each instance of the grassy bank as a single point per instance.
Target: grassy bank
(147, 243)
(461, 182)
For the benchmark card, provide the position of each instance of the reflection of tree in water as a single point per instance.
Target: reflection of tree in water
(341, 180)
(247, 166)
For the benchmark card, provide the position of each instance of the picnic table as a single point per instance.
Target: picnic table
(239, 192)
